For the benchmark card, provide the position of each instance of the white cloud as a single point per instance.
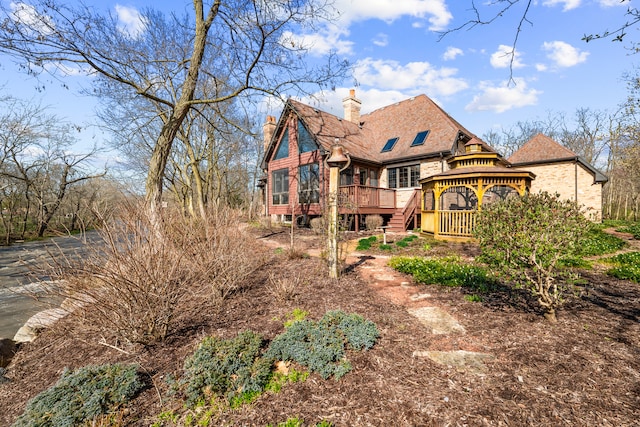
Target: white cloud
(28, 16)
(452, 53)
(505, 57)
(435, 11)
(503, 97)
(568, 4)
(563, 54)
(130, 20)
(541, 67)
(611, 3)
(413, 77)
(381, 40)
(322, 42)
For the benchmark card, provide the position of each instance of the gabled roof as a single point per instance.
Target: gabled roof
(364, 141)
(404, 120)
(541, 149)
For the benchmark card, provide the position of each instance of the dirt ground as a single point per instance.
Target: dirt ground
(582, 371)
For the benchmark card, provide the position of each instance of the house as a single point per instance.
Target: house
(560, 170)
(390, 148)
(394, 151)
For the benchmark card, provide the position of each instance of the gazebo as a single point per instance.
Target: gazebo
(477, 178)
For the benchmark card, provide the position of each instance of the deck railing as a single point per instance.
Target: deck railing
(456, 223)
(370, 197)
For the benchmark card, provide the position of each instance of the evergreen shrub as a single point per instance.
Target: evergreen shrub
(226, 368)
(321, 346)
(82, 395)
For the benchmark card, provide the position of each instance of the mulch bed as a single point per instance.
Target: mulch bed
(584, 370)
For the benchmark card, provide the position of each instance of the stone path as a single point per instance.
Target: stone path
(398, 289)
(395, 287)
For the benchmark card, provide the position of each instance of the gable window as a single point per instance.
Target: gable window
(309, 183)
(283, 148)
(403, 177)
(420, 138)
(280, 187)
(305, 140)
(389, 145)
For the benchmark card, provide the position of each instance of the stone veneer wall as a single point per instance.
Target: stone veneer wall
(561, 178)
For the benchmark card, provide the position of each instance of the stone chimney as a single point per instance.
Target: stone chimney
(352, 107)
(267, 131)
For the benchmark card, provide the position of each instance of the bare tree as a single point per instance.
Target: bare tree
(246, 46)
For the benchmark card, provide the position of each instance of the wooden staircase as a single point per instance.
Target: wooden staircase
(406, 218)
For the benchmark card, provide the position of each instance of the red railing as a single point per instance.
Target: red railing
(371, 197)
(410, 209)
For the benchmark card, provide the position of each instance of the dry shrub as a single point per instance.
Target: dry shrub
(373, 221)
(133, 282)
(318, 225)
(284, 288)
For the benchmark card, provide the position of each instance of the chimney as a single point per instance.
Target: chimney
(267, 131)
(352, 107)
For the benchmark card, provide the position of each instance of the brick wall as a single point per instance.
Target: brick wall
(561, 178)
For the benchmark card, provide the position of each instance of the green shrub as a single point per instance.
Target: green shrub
(449, 271)
(321, 346)
(82, 395)
(365, 243)
(473, 298)
(226, 368)
(525, 238)
(295, 316)
(384, 247)
(402, 243)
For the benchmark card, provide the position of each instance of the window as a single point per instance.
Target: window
(309, 184)
(346, 176)
(280, 187)
(420, 138)
(403, 177)
(368, 177)
(389, 145)
(283, 148)
(305, 140)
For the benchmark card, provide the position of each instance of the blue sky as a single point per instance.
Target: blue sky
(394, 47)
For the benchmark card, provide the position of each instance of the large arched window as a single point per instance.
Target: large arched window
(458, 198)
(498, 193)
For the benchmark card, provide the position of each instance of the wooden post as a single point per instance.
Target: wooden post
(333, 222)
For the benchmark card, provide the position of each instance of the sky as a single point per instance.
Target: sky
(397, 52)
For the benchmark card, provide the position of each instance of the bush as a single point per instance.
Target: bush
(373, 221)
(318, 225)
(132, 284)
(525, 239)
(364, 244)
(448, 271)
(226, 368)
(321, 346)
(81, 396)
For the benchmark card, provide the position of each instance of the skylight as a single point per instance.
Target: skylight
(420, 138)
(389, 145)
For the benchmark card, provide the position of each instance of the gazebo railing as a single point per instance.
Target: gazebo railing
(456, 223)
